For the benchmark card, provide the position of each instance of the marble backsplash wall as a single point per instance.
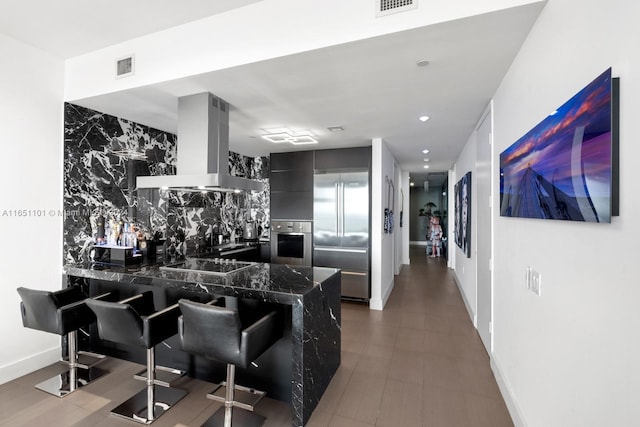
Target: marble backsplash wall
(103, 157)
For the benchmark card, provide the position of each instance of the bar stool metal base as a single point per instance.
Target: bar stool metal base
(69, 381)
(240, 418)
(163, 376)
(135, 409)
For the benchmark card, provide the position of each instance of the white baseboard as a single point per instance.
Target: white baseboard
(25, 366)
(472, 315)
(378, 304)
(507, 395)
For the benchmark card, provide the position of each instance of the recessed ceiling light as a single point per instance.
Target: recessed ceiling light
(422, 63)
(426, 160)
(426, 166)
(335, 128)
(423, 118)
(425, 151)
(411, 184)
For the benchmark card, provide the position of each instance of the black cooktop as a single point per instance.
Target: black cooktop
(216, 266)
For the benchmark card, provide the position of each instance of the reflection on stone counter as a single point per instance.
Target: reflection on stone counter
(104, 155)
(279, 283)
(297, 369)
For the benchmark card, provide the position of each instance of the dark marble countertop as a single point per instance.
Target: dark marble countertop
(274, 282)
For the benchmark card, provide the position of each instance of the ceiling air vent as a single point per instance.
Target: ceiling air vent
(387, 7)
(125, 66)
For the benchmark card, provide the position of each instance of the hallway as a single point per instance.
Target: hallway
(420, 362)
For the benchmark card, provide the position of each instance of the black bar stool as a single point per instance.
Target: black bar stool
(62, 312)
(226, 331)
(134, 321)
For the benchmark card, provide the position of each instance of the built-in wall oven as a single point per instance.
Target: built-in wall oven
(291, 242)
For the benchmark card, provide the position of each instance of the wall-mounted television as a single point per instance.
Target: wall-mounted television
(566, 167)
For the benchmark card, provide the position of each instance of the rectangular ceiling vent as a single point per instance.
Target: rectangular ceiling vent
(125, 66)
(387, 7)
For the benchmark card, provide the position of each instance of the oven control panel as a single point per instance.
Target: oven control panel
(291, 226)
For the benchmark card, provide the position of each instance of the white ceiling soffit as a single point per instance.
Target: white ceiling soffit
(61, 27)
(372, 88)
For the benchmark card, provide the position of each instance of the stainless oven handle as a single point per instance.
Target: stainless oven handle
(286, 233)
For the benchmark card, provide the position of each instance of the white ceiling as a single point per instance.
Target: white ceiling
(68, 28)
(372, 87)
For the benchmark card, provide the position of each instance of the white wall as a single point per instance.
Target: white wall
(31, 137)
(406, 207)
(382, 244)
(397, 231)
(465, 268)
(256, 32)
(451, 239)
(570, 357)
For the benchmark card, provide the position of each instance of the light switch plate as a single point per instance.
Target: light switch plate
(536, 282)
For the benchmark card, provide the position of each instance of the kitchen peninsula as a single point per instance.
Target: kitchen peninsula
(297, 369)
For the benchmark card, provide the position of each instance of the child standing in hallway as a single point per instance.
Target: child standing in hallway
(435, 236)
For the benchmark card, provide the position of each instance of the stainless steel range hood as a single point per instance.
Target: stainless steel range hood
(203, 150)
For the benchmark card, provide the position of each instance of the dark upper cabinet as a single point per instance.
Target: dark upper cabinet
(291, 177)
(343, 158)
(291, 181)
(292, 171)
(297, 160)
(292, 205)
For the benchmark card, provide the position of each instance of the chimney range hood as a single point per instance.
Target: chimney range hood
(202, 150)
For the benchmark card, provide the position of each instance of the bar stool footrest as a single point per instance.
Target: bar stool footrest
(240, 418)
(87, 359)
(164, 376)
(135, 408)
(244, 397)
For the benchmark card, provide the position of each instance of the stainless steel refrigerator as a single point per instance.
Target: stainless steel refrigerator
(341, 228)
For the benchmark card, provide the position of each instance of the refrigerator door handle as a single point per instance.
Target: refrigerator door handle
(337, 249)
(353, 273)
(337, 189)
(342, 207)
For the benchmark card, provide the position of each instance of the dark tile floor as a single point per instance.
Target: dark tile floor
(419, 362)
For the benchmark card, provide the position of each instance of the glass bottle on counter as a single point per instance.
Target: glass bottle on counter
(126, 235)
(133, 237)
(141, 241)
(100, 226)
(110, 231)
(119, 232)
(107, 231)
